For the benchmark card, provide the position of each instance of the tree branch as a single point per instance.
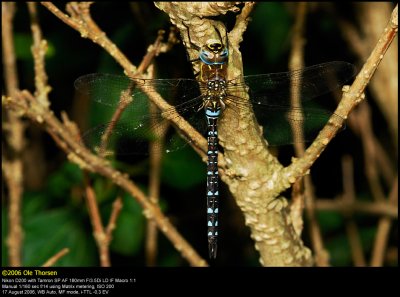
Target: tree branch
(12, 166)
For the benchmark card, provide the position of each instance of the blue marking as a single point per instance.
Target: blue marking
(216, 193)
(211, 113)
(209, 152)
(209, 173)
(209, 224)
(216, 210)
(210, 233)
(209, 210)
(216, 223)
(205, 60)
(215, 133)
(216, 172)
(215, 152)
(210, 193)
(215, 234)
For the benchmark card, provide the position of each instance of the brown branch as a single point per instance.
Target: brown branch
(12, 166)
(53, 260)
(384, 86)
(242, 21)
(376, 158)
(102, 236)
(39, 49)
(384, 224)
(296, 61)
(370, 208)
(25, 104)
(98, 229)
(156, 149)
(254, 185)
(302, 190)
(80, 20)
(125, 98)
(116, 209)
(351, 98)
(351, 226)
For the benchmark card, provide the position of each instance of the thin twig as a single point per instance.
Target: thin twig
(98, 229)
(39, 49)
(103, 236)
(296, 61)
(156, 149)
(351, 98)
(303, 189)
(125, 98)
(24, 103)
(81, 21)
(12, 166)
(370, 208)
(351, 226)
(53, 260)
(116, 209)
(384, 224)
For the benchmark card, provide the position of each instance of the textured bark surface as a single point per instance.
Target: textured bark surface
(254, 176)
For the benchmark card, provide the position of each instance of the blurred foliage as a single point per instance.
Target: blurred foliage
(55, 216)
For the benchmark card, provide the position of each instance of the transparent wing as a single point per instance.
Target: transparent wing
(274, 89)
(138, 124)
(107, 88)
(133, 137)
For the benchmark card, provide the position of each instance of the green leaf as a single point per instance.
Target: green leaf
(272, 22)
(50, 231)
(23, 43)
(61, 182)
(330, 221)
(183, 169)
(339, 250)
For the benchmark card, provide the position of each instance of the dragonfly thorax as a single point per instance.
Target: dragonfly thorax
(214, 53)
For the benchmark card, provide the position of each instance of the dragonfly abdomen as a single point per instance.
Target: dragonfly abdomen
(212, 184)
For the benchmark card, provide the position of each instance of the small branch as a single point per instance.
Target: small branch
(242, 21)
(351, 98)
(12, 166)
(116, 209)
(296, 61)
(98, 229)
(384, 224)
(302, 190)
(39, 49)
(81, 20)
(9, 60)
(50, 262)
(125, 98)
(26, 105)
(369, 142)
(351, 226)
(156, 149)
(103, 236)
(370, 208)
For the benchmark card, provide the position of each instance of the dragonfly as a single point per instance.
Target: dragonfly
(202, 102)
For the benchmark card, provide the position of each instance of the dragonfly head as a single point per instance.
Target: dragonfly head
(214, 53)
